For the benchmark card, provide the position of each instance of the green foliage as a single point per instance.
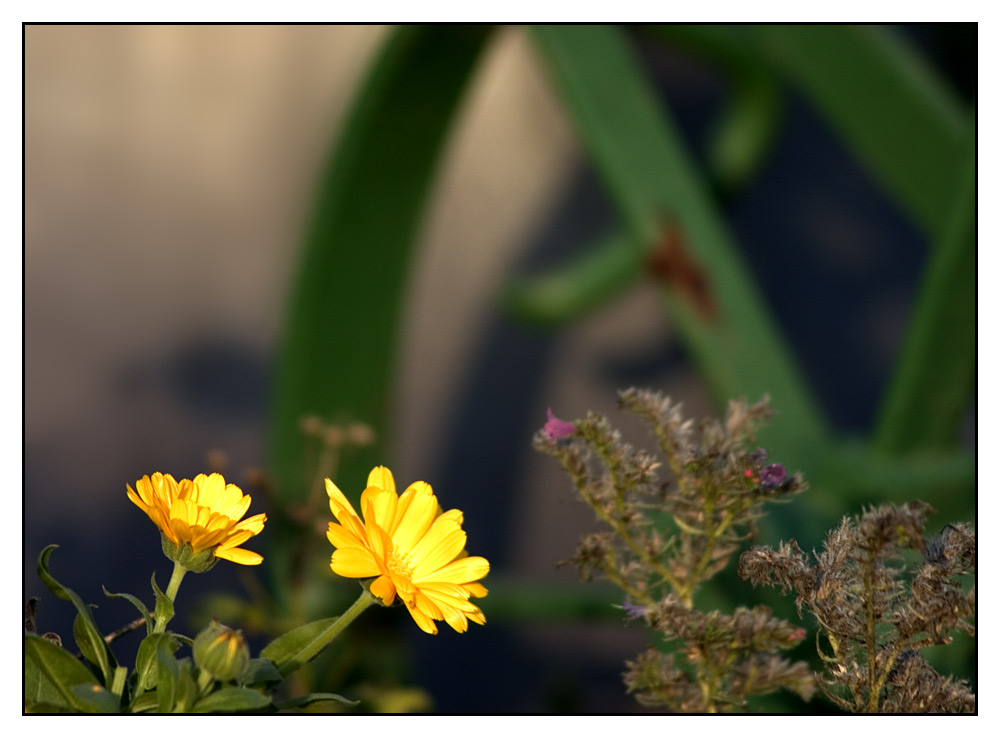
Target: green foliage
(88, 638)
(221, 679)
(299, 646)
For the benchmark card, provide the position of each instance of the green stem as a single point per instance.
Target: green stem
(360, 605)
(172, 587)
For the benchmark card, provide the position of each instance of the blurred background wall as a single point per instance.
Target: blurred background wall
(169, 172)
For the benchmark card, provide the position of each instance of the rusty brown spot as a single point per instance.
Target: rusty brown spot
(671, 264)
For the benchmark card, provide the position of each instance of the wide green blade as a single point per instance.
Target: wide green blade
(934, 380)
(902, 121)
(342, 328)
(668, 212)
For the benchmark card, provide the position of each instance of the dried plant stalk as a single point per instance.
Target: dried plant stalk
(876, 614)
(665, 537)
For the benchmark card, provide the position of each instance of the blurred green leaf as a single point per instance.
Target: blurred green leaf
(657, 188)
(232, 699)
(592, 279)
(892, 109)
(342, 327)
(313, 697)
(743, 134)
(88, 638)
(934, 380)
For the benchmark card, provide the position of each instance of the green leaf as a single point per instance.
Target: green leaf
(164, 610)
(88, 637)
(139, 605)
(298, 646)
(168, 676)
(342, 327)
(665, 204)
(743, 135)
(187, 690)
(934, 379)
(902, 120)
(260, 672)
(119, 681)
(97, 697)
(51, 673)
(592, 279)
(233, 699)
(308, 699)
(146, 662)
(144, 703)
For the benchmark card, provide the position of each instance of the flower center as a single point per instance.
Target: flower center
(399, 563)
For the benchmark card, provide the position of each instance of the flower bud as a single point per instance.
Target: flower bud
(185, 555)
(221, 651)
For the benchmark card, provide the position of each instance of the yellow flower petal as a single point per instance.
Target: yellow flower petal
(416, 511)
(383, 506)
(382, 478)
(239, 556)
(356, 563)
(384, 589)
(462, 571)
(340, 537)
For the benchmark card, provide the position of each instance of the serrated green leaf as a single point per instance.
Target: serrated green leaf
(88, 637)
(139, 605)
(260, 672)
(299, 646)
(62, 672)
(308, 699)
(232, 699)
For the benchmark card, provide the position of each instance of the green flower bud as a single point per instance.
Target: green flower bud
(221, 651)
(184, 555)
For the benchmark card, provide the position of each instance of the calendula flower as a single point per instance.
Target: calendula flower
(411, 548)
(200, 518)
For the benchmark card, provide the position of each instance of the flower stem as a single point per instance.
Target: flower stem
(360, 605)
(172, 587)
(175, 581)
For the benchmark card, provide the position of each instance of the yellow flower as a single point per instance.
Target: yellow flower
(412, 549)
(197, 516)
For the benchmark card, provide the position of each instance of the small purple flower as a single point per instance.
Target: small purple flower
(634, 611)
(772, 475)
(555, 428)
